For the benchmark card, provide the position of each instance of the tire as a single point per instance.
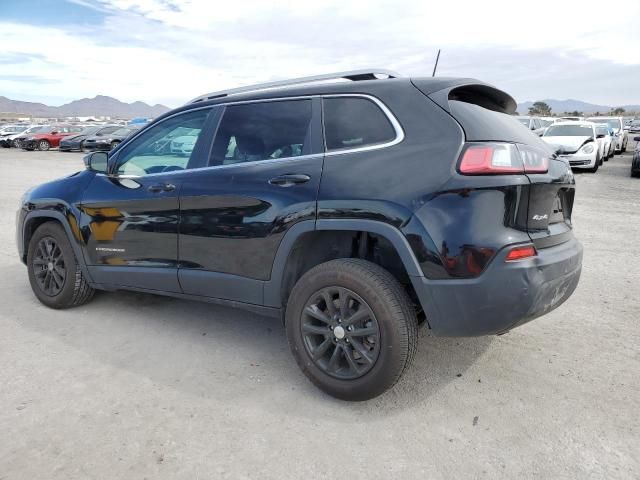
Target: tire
(16, 143)
(594, 169)
(60, 261)
(624, 147)
(387, 314)
(43, 145)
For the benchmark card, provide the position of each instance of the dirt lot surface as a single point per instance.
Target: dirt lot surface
(136, 386)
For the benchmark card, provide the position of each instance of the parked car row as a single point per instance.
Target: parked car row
(585, 142)
(65, 137)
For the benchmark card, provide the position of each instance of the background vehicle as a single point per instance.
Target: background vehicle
(76, 142)
(533, 123)
(573, 119)
(547, 121)
(352, 209)
(17, 141)
(620, 134)
(635, 162)
(605, 136)
(48, 138)
(577, 142)
(9, 133)
(108, 141)
(634, 126)
(183, 145)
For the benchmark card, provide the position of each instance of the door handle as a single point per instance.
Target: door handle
(162, 187)
(289, 179)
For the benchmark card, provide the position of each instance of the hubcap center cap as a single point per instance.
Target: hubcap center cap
(50, 266)
(339, 332)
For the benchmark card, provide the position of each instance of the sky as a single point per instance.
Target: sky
(169, 51)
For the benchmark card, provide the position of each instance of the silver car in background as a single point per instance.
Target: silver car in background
(620, 134)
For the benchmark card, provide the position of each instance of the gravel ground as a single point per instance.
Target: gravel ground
(139, 386)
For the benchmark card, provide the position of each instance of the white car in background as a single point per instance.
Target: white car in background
(620, 134)
(183, 145)
(9, 132)
(607, 138)
(532, 123)
(577, 142)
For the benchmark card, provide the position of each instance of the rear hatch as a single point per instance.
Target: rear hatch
(485, 115)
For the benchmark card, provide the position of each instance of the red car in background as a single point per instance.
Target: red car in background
(49, 138)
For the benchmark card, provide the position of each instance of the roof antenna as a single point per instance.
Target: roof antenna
(436, 65)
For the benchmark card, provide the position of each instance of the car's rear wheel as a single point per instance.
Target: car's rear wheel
(54, 273)
(352, 328)
(43, 145)
(16, 143)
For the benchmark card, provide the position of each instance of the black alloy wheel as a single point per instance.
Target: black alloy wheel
(48, 267)
(341, 333)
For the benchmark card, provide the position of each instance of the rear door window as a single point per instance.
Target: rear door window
(354, 122)
(263, 131)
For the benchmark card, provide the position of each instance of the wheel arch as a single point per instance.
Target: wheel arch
(309, 243)
(36, 218)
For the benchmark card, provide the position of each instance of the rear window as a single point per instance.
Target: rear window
(353, 122)
(481, 124)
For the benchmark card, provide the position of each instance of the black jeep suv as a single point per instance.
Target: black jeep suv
(354, 210)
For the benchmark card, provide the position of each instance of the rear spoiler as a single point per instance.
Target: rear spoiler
(469, 90)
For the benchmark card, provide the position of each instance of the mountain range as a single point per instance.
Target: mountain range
(570, 105)
(100, 105)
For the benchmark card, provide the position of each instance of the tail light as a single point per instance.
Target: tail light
(520, 253)
(493, 158)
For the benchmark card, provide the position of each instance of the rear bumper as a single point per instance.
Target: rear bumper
(506, 295)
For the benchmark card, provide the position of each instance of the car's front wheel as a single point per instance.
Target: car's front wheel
(352, 328)
(54, 273)
(43, 145)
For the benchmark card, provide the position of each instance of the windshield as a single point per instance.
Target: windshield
(122, 132)
(612, 122)
(43, 129)
(89, 130)
(569, 131)
(602, 130)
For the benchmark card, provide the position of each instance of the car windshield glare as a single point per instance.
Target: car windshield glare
(569, 131)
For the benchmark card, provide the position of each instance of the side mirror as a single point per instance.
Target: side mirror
(54, 132)
(601, 135)
(97, 162)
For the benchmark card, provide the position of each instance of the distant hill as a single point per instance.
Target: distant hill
(99, 106)
(570, 105)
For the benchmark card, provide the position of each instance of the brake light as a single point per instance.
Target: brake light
(520, 253)
(502, 159)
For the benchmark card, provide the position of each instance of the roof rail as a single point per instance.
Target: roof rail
(354, 75)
